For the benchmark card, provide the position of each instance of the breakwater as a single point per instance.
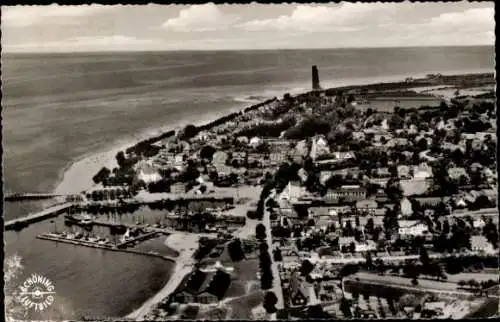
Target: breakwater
(20, 223)
(55, 238)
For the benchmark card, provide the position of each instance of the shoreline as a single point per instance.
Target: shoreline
(185, 244)
(77, 175)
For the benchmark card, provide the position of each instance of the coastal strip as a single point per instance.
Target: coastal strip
(185, 244)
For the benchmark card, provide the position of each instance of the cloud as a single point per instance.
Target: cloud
(476, 19)
(206, 17)
(23, 16)
(345, 17)
(87, 43)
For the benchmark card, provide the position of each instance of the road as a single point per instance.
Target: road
(278, 291)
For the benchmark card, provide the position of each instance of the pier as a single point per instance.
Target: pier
(30, 196)
(84, 243)
(44, 214)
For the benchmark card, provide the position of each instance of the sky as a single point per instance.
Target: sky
(253, 26)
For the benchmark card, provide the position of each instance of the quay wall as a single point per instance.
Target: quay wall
(97, 246)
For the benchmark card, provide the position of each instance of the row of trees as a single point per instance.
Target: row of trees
(475, 285)
(265, 262)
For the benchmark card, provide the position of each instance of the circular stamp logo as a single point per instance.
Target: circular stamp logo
(37, 292)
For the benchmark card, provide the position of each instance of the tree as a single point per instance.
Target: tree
(306, 268)
(102, 175)
(266, 280)
(277, 255)
(345, 307)
(188, 132)
(424, 256)
(207, 152)
(370, 226)
(270, 301)
(369, 260)
(414, 282)
(260, 231)
(236, 251)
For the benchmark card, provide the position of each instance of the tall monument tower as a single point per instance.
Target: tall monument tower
(315, 78)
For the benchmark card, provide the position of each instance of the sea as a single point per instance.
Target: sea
(59, 108)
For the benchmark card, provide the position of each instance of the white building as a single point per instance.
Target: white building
(254, 142)
(412, 228)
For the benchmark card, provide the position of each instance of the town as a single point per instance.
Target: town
(373, 201)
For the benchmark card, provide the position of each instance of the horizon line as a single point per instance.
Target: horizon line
(238, 49)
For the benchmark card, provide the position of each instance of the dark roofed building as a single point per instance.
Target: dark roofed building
(203, 287)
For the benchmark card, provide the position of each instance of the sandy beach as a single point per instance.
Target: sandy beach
(185, 244)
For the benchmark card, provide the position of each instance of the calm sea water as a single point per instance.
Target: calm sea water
(60, 107)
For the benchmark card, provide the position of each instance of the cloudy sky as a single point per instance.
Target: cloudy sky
(197, 27)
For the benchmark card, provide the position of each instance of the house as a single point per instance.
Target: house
(478, 223)
(367, 246)
(358, 135)
(206, 298)
(324, 176)
(380, 181)
(345, 193)
(412, 228)
(292, 192)
(406, 208)
(277, 158)
(319, 147)
(148, 174)
(404, 172)
(242, 139)
(255, 142)
(344, 155)
(455, 173)
(367, 205)
(382, 173)
(429, 201)
(422, 171)
(178, 188)
(481, 244)
(219, 158)
(346, 241)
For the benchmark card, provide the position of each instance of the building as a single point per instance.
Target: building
(481, 244)
(368, 246)
(455, 173)
(219, 158)
(178, 187)
(345, 193)
(367, 205)
(315, 78)
(406, 207)
(203, 287)
(422, 172)
(404, 172)
(429, 201)
(412, 228)
(255, 142)
(148, 174)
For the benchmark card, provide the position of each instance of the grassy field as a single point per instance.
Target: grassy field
(241, 308)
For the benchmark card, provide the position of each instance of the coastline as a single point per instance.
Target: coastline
(77, 175)
(185, 244)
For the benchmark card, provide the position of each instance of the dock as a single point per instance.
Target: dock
(35, 217)
(30, 196)
(52, 237)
